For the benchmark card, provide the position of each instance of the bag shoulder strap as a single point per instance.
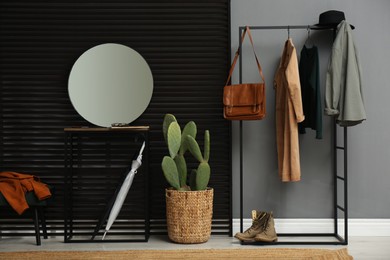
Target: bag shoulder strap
(238, 53)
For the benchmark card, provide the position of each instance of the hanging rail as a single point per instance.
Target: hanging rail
(284, 27)
(336, 177)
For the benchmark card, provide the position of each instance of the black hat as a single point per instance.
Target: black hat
(331, 18)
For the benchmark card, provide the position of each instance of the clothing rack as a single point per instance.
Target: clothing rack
(339, 240)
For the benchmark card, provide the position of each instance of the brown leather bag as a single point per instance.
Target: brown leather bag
(244, 101)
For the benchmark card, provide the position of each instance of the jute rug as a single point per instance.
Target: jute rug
(201, 254)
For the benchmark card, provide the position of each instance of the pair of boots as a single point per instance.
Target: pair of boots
(262, 229)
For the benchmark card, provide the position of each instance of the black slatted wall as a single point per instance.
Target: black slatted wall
(185, 42)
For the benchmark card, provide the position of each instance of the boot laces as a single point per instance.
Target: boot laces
(253, 227)
(266, 227)
(256, 223)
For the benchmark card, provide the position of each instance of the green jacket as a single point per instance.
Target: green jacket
(343, 93)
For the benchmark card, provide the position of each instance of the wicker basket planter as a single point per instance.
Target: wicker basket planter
(189, 215)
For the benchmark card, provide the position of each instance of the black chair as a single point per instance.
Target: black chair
(37, 206)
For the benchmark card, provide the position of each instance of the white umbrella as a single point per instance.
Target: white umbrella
(120, 198)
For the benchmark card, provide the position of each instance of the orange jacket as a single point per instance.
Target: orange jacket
(14, 186)
(289, 112)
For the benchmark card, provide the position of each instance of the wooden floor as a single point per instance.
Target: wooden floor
(369, 248)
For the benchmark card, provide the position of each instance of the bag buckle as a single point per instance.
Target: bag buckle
(230, 109)
(255, 108)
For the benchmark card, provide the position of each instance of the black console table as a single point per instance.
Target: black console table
(96, 163)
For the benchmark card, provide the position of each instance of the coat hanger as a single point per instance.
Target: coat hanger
(309, 42)
(288, 32)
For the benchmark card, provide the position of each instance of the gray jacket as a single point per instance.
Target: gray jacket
(343, 93)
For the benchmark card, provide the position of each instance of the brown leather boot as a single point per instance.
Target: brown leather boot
(258, 223)
(269, 233)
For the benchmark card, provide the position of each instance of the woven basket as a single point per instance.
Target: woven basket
(189, 215)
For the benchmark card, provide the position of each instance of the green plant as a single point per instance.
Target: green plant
(174, 166)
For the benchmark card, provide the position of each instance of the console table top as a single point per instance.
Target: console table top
(108, 129)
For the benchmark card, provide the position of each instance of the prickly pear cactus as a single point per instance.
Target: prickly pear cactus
(174, 166)
(170, 172)
(202, 174)
(174, 139)
(168, 119)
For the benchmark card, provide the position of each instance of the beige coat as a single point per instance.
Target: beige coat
(289, 113)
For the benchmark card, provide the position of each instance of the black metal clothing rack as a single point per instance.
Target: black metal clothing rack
(339, 240)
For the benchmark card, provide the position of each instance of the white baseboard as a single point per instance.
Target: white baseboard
(356, 227)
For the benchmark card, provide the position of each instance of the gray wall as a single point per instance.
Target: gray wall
(369, 142)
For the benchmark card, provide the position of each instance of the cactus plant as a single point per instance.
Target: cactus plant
(174, 166)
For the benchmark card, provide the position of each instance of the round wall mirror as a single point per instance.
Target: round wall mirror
(110, 83)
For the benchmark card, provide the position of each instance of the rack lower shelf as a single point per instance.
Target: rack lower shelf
(292, 239)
